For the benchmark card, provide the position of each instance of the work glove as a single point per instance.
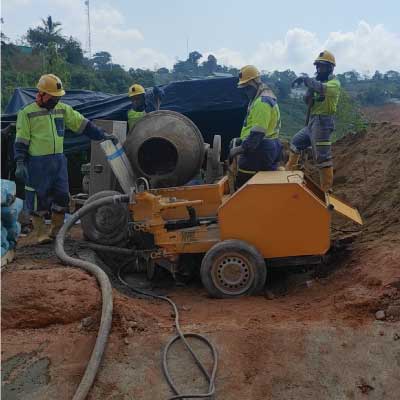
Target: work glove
(235, 152)
(110, 136)
(21, 172)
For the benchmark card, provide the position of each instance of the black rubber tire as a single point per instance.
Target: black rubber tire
(111, 230)
(248, 256)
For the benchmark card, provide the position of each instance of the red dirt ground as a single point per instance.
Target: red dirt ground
(386, 113)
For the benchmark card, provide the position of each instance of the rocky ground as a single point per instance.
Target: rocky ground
(330, 334)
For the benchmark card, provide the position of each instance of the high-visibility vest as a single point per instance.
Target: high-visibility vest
(263, 115)
(43, 130)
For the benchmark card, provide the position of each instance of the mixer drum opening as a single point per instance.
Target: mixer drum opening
(166, 148)
(157, 156)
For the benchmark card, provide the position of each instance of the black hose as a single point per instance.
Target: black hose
(182, 336)
(106, 292)
(111, 249)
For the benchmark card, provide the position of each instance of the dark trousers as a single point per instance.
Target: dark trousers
(316, 134)
(47, 186)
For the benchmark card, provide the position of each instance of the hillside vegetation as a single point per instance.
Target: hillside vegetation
(48, 51)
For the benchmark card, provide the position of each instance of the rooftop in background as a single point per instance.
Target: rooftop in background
(25, 49)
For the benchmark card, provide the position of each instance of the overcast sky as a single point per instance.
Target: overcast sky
(363, 35)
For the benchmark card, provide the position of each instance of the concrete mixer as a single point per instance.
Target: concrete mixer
(165, 147)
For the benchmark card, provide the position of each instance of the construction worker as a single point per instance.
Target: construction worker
(40, 162)
(142, 103)
(322, 98)
(260, 147)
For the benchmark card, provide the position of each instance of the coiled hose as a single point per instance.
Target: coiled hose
(107, 307)
(182, 336)
(106, 292)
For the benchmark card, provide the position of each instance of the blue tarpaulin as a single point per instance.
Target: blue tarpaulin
(215, 105)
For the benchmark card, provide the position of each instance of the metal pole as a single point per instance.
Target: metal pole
(89, 38)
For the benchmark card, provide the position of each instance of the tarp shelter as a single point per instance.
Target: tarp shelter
(215, 105)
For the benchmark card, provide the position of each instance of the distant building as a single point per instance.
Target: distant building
(25, 49)
(222, 75)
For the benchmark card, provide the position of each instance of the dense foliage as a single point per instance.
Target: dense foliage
(47, 50)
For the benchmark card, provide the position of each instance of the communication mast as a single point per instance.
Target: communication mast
(89, 36)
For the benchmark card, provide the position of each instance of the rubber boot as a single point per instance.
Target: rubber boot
(326, 179)
(57, 221)
(293, 161)
(24, 219)
(39, 233)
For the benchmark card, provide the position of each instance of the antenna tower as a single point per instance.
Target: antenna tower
(89, 35)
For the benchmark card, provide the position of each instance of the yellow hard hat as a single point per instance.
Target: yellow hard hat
(326, 56)
(51, 84)
(135, 90)
(246, 74)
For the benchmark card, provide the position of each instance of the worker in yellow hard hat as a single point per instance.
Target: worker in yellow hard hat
(40, 162)
(322, 98)
(142, 102)
(260, 146)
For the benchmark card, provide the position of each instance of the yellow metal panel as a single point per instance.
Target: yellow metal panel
(269, 177)
(342, 208)
(210, 194)
(279, 219)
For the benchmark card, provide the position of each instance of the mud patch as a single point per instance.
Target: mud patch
(24, 374)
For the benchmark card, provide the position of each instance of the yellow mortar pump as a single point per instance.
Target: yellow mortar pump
(237, 232)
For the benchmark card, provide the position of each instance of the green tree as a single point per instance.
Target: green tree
(41, 36)
(280, 82)
(377, 76)
(352, 76)
(144, 77)
(349, 118)
(210, 66)
(118, 80)
(194, 58)
(55, 64)
(4, 38)
(374, 94)
(72, 51)
(163, 70)
(392, 75)
(102, 60)
(188, 68)
(85, 78)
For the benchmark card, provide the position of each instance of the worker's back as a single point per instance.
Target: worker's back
(260, 135)
(263, 112)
